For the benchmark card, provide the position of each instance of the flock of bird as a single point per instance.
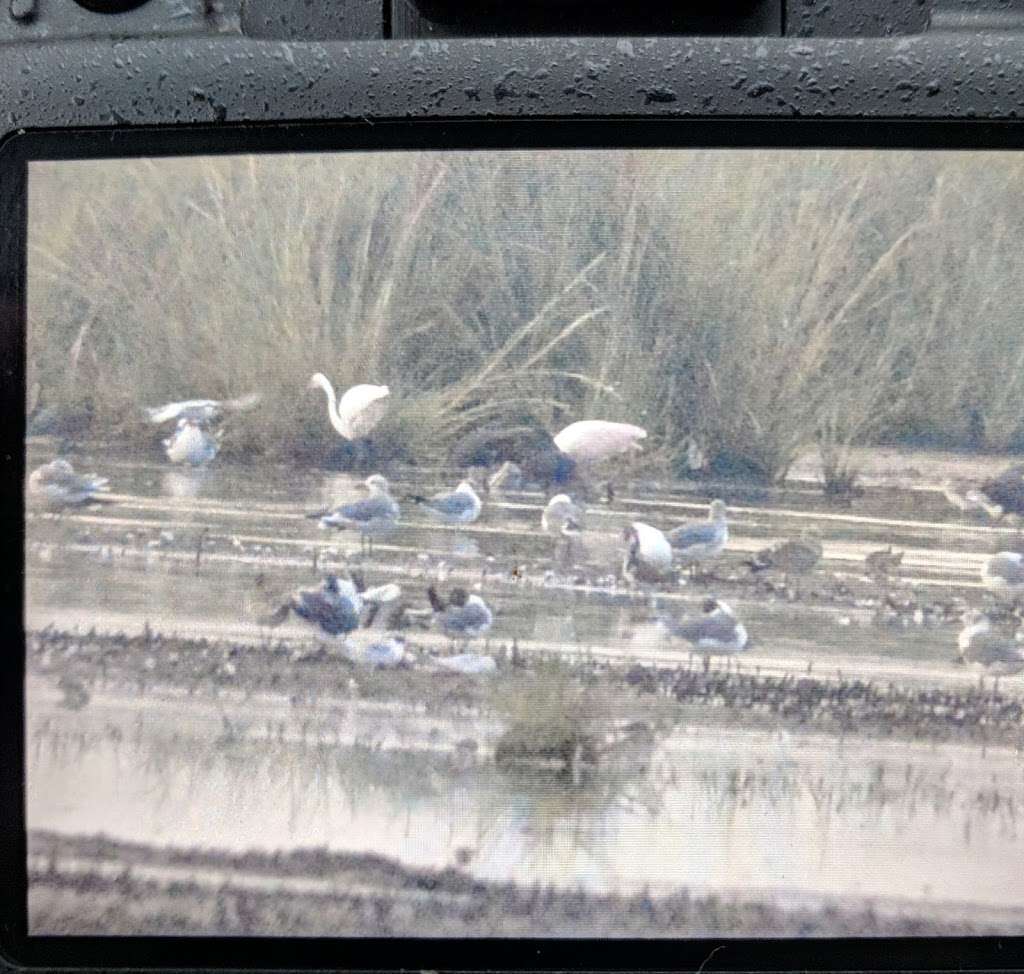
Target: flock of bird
(338, 606)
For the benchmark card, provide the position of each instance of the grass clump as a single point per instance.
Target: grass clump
(757, 304)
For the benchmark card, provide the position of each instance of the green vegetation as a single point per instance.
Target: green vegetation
(761, 302)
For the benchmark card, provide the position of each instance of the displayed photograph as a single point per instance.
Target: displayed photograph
(526, 544)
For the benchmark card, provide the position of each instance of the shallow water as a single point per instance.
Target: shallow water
(722, 811)
(134, 561)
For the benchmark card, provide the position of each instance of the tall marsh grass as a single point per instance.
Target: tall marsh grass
(763, 303)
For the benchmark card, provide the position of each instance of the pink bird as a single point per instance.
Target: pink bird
(594, 440)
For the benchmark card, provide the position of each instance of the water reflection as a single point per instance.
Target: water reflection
(724, 813)
(184, 483)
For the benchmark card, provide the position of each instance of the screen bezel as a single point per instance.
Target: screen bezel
(870, 954)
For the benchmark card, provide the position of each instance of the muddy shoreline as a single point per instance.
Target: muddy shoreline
(256, 894)
(77, 664)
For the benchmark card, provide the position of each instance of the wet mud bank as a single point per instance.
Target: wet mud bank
(81, 885)
(77, 665)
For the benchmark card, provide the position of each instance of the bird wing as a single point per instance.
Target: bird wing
(198, 409)
(68, 480)
(364, 510)
(382, 593)
(693, 534)
(451, 504)
(334, 615)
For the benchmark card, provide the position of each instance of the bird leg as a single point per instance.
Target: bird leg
(707, 663)
(316, 557)
(199, 546)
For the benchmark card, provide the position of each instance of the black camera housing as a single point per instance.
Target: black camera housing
(193, 62)
(180, 76)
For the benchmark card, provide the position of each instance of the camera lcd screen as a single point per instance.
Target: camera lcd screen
(537, 543)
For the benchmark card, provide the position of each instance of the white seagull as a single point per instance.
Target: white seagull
(373, 517)
(594, 440)
(56, 485)
(1000, 655)
(191, 444)
(561, 515)
(360, 409)
(648, 554)
(1004, 573)
(704, 540)
(460, 506)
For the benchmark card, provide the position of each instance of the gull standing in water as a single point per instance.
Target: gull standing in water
(999, 655)
(191, 444)
(716, 633)
(373, 517)
(55, 485)
(359, 410)
(460, 506)
(702, 541)
(563, 519)
(1003, 573)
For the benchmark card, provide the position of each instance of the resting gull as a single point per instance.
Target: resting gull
(978, 644)
(460, 506)
(191, 444)
(561, 512)
(373, 517)
(717, 632)
(1003, 573)
(704, 540)
(462, 616)
(337, 606)
(360, 409)
(387, 654)
(648, 554)
(56, 485)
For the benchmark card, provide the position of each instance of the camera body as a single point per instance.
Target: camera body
(203, 62)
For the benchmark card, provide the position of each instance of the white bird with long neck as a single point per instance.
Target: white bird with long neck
(358, 411)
